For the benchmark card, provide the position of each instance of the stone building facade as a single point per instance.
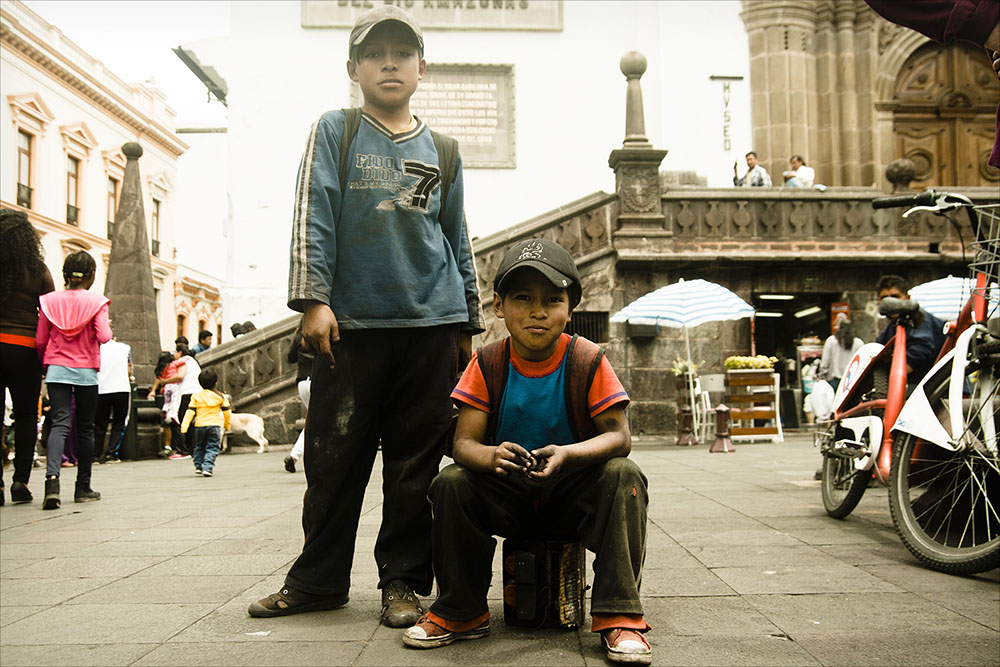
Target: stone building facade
(63, 121)
(833, 81)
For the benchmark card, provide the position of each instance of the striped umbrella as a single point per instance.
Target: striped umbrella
(686, 303)
(944, 297)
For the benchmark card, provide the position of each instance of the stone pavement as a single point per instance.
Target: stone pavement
(743, 567)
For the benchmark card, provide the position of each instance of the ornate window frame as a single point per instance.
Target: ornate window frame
(30, 115)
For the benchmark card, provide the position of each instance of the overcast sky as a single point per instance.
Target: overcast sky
(134, 41)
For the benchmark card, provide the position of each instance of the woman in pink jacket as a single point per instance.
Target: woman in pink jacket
(72, 325)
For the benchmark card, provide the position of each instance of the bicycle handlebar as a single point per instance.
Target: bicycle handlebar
(926, 198)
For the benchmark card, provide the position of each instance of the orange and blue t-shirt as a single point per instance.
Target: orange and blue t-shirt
(532, 410)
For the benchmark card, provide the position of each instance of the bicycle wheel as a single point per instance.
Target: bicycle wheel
(843, 484)
(945, 504)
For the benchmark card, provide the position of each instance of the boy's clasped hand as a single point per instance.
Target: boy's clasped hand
(510, 458)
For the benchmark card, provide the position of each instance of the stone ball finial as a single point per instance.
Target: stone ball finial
(132, 150)
(633, 65)
(900, 172)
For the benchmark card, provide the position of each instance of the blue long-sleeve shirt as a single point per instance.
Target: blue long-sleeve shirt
(381, 253)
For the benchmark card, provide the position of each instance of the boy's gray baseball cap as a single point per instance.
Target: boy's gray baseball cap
(373, 17)
(548, 258)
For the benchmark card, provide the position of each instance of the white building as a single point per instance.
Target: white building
(63, 120)
(566, 106)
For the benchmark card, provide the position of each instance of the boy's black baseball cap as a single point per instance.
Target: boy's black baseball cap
(373, 17)
(548, 258)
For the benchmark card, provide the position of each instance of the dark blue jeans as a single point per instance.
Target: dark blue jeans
(207, 441)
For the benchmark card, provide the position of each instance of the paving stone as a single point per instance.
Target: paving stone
(103, 623)
(832, 578)
(95, 566)
(259, 564)
(74, 655)
(47, 591)
(193, 589)
(305, 653)
(11, 613)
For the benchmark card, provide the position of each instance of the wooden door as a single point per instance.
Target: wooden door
(944, 116)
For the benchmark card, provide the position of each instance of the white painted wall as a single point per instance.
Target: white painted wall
(569, 115)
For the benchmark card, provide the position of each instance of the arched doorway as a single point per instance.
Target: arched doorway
(944, 109)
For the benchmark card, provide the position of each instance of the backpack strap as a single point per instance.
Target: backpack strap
(583, 358)
(494, 364)
(352, 122)
(447, 150)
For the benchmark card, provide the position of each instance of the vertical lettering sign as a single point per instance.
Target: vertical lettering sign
(442, 14)
(472, 103)
(727, 117)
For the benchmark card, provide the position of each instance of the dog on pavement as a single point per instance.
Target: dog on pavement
(248, 423)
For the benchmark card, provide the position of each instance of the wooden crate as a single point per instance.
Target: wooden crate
(753, 395)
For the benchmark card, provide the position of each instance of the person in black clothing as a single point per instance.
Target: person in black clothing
(922, 343)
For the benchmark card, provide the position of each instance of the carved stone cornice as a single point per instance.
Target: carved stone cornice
(28, 46)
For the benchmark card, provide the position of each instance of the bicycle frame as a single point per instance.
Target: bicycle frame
(917, 417)
(857, 416)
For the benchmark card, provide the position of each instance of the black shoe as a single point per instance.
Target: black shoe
(85, 494)
(400, 606)
(51, 501)
(290, 601)
(19, 493)
(289, 464)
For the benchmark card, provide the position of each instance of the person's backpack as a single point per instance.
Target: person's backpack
(447, 150)
(582, 361)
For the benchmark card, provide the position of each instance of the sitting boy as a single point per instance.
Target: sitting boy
(538, 452)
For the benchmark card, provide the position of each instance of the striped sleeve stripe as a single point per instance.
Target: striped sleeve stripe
(469, 398)
(299, 273)
(597, 407)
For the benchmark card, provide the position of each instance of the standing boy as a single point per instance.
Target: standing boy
(382, 268)
(210, 412)
(540, 451)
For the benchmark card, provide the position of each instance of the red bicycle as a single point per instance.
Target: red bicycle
(937, 450)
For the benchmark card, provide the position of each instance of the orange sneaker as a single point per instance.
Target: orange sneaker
(428, 634)
(628, 646)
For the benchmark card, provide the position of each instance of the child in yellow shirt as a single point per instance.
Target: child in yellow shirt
(210, 412)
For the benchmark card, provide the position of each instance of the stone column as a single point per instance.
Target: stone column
(129, 284)
(637, 164)
(847, 92)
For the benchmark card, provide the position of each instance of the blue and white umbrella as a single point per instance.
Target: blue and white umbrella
(685, 304)
(944, 297)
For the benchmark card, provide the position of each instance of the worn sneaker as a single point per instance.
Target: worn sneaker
(206, 473)
(289, 464)
(428, 634)
(628, 646)
(290, 601)
(176, 456)
(197, 471)
(400, 606)
(19, 493)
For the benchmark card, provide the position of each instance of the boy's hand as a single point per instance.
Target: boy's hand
(510, 457)
(320, 331)
(549, 461)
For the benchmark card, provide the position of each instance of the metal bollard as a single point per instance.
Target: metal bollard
(687, 437)
(722, 442)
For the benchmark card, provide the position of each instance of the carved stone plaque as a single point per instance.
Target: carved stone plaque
(474, 104)
(443, 14)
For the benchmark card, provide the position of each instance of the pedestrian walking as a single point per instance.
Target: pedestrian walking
(23, 279)
(72, 325)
